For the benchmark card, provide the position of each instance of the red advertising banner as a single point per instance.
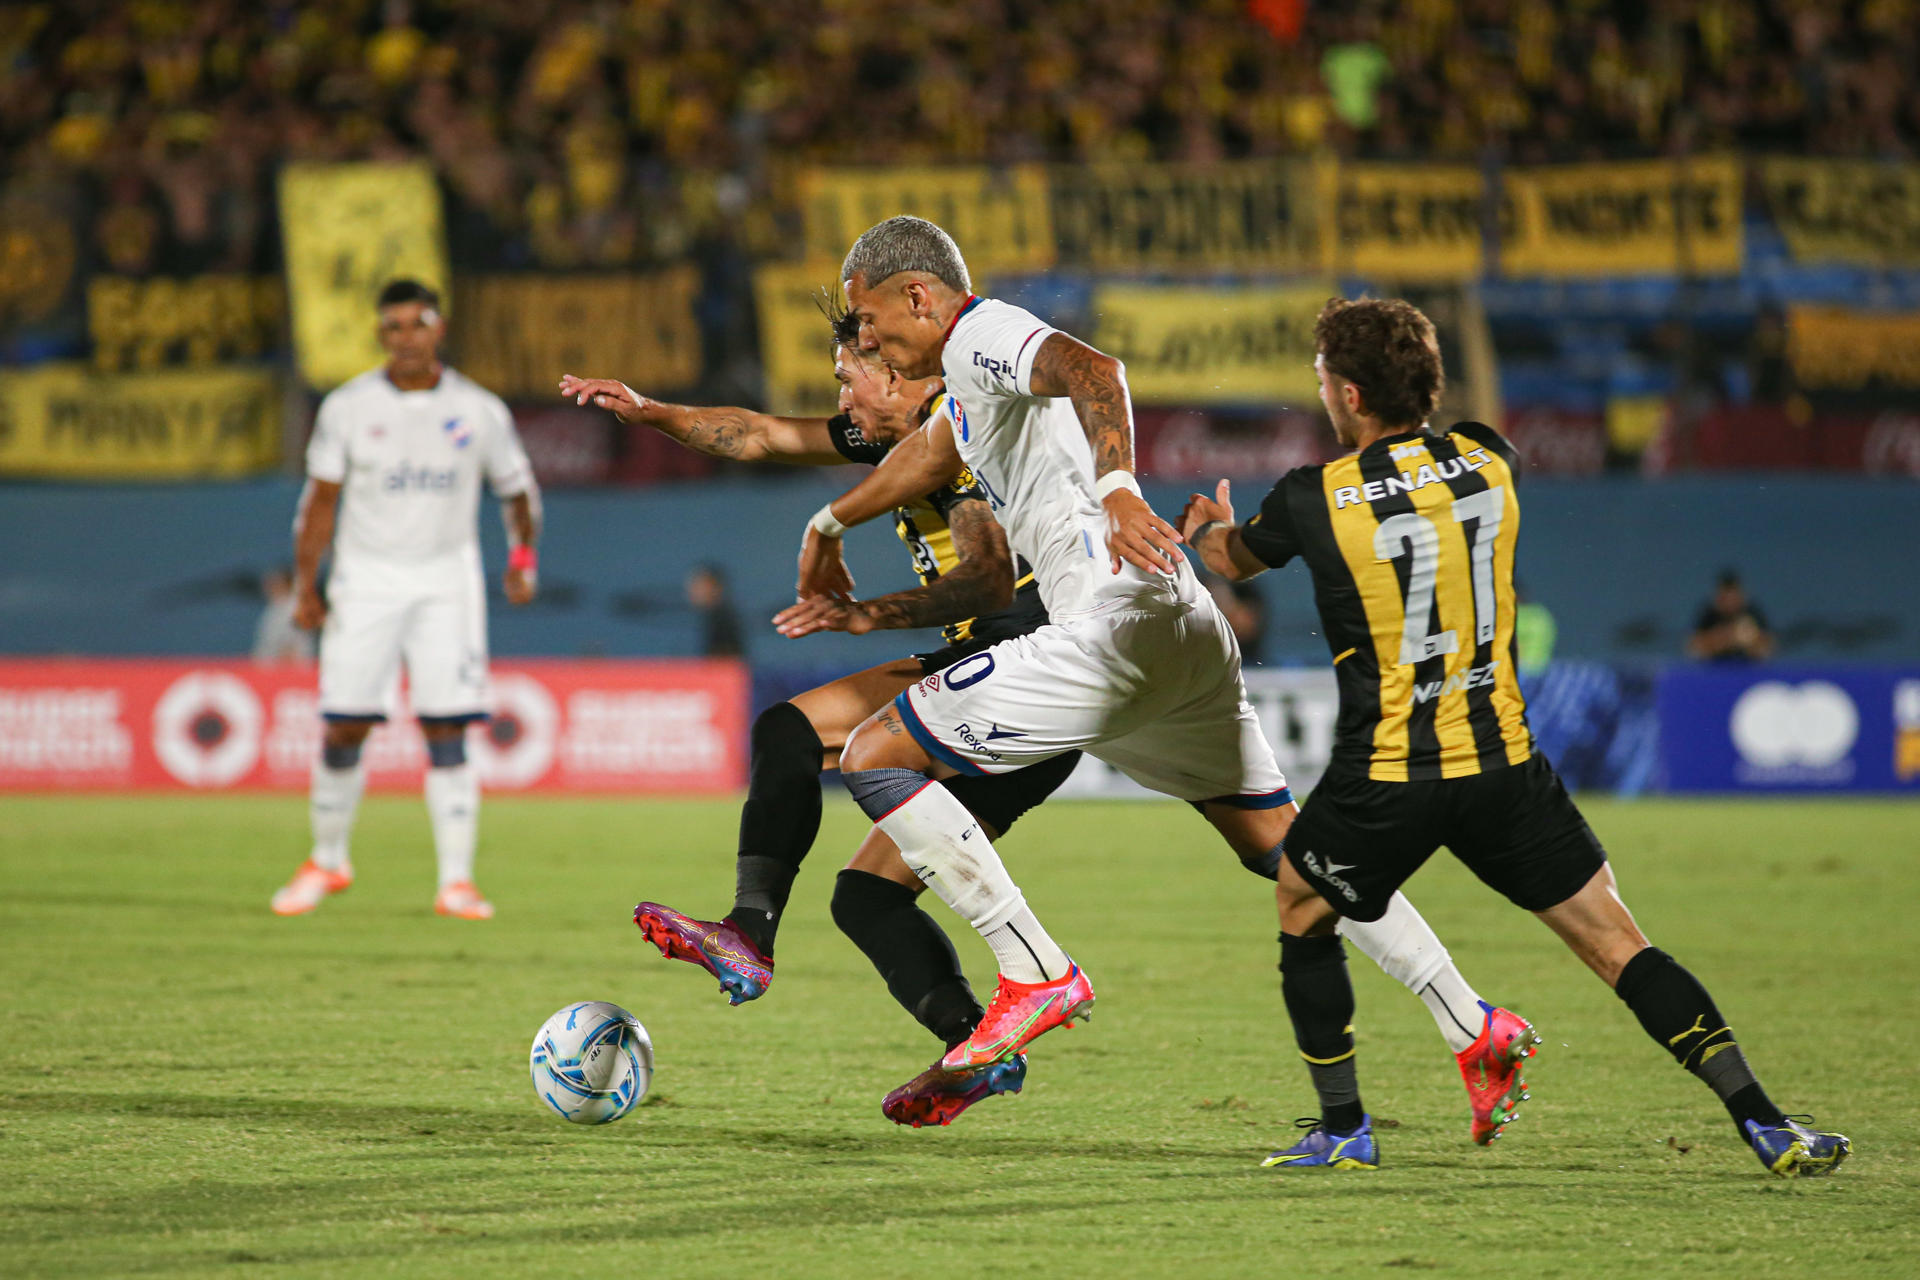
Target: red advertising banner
(655, 726)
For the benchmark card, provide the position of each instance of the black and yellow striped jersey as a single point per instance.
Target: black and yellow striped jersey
(1410, 543)
(922, 526)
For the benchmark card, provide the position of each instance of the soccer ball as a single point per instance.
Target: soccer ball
(591, 1062)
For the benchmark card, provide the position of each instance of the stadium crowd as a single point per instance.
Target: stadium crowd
(571, 133)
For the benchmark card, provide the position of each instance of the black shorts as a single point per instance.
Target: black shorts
(1357, 840)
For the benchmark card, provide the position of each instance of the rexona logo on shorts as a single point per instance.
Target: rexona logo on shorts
(1795, 733)
(1324, 871)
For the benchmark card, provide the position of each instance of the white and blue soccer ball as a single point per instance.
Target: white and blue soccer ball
(592, 1062)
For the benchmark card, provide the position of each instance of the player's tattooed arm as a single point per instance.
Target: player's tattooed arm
(980, 583)
(313, 523)
(721, 431)
(1207, 524)
(1097, 385)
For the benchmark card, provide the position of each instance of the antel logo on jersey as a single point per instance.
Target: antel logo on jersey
(1801, 730)
(1002, 369)
(207, 729)
(423, 479)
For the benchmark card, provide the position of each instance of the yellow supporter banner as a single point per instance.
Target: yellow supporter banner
(1212, 346)
(349, 229)
(796, 345)
(1000, 218)
(200, 320)
(1249, 216)
(1393, 222)
(1644, 217)
(68, 420)
(1841, 349)
(1856, 211)
(516, 334)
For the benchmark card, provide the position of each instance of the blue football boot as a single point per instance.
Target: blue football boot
(1324, 1150)
(1793, 1149)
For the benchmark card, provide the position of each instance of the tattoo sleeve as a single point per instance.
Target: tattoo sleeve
(1097, 385)
(981, 583)
(719, 432)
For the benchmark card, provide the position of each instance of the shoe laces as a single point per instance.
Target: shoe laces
(1307, 1122)
(1003, 1000)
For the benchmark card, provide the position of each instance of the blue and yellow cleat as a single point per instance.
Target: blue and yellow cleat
(1323, 1150)
(1797, 1150)
(715, 945)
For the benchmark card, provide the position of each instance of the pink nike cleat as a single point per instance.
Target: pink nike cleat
(311, 885)
(938, 1096)
(463, 900)
(1491, 1068)
(1020, 1012)
(715, 945)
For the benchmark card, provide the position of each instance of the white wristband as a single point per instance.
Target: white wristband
(1116, 480)
(825, 525)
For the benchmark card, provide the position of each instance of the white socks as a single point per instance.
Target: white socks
(333, 799)
(1402, 944)
(947, 849)
(453, 804)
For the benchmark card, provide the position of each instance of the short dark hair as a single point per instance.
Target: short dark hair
(395, 292)
(1388, 349)
(844, 324)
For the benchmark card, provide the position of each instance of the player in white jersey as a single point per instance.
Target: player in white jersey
(407, 446)
(1136, 666)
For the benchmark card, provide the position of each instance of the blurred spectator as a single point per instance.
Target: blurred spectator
(1246, 612)
(1731, 627)
(720, 634)
(276, 640)
(1534, 632)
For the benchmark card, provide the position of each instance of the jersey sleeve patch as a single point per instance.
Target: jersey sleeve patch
(850, 444)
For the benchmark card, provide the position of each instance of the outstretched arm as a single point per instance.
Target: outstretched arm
(1208, 526)
(1097, 385)
(981, 583)
(917, 466)
(721, 432)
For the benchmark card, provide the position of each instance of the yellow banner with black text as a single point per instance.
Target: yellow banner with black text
(1855, 211)
(516, 334)
(67, 420)
(348, 230)
(1652, 217)
(1212, 346)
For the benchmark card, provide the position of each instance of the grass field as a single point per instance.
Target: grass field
(189, 1086)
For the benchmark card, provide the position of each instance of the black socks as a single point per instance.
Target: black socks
(912, 953)
(1679, 1014)
(1319, 996)
(779, 821)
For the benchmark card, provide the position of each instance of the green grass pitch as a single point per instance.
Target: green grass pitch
(189, 1086)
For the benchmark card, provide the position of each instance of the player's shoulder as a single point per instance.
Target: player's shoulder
(1481, 435)
(359, 387)
(992, 341)
(459, 384)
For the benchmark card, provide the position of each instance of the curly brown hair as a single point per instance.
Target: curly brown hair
(1388, 349)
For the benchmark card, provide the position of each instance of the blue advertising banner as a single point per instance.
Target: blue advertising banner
(1786, 728)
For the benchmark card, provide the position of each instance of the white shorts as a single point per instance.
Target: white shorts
(441, 636)
(1154, 691)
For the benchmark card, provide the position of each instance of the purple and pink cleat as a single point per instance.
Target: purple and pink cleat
(939, 1094)
(715, 945)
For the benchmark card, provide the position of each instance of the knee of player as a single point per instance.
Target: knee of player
(346, 736)
(881, 743)
(782, 731)
(447, 750)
